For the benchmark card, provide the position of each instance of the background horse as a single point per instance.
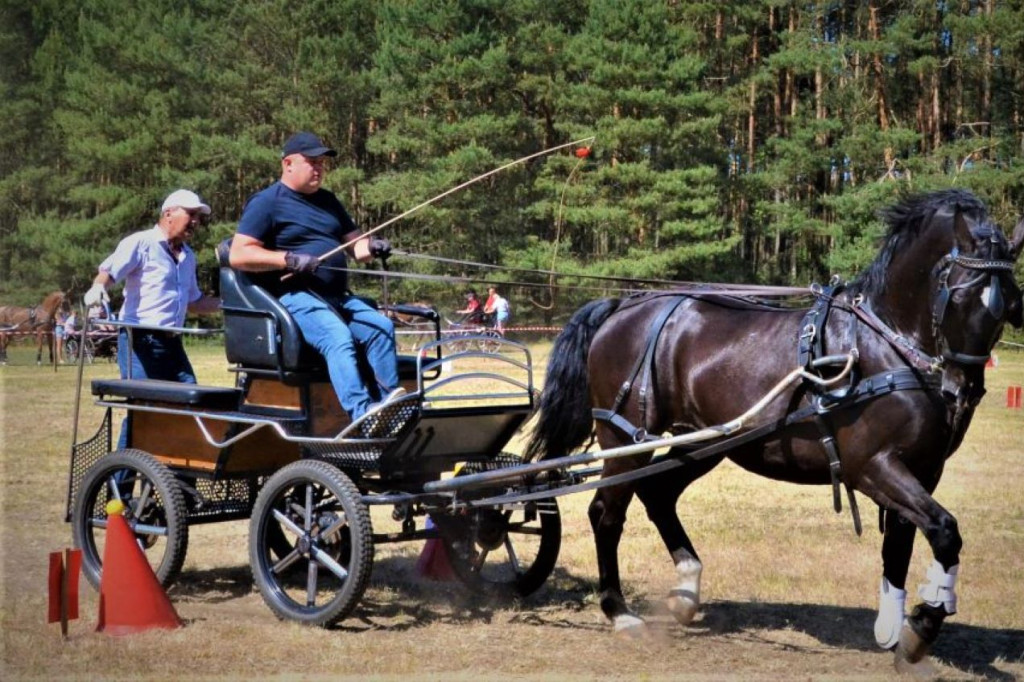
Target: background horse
(920, 322)
(39, 320)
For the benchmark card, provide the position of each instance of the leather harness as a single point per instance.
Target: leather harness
(920, 374)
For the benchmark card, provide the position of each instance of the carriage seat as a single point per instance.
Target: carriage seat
(259, 333)
(174, 392)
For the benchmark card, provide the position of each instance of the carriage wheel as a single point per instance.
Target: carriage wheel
(491, 343)
(154, 509)
(71, 348)
(319, 511)
(456, 344)
(504, 552)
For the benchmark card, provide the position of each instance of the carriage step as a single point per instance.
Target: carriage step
(155, 390)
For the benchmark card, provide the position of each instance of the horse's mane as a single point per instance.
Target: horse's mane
(906, 221)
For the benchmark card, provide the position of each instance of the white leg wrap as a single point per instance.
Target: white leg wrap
(940, 590)
(685, 596)
(628, 623)
(891, 614)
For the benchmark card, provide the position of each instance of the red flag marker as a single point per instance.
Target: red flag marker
(63, 587)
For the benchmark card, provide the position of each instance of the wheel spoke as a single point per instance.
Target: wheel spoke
(114, 487)
(288, 523)
(286, 562)
(143, 500)
(147, 529)
(328, 561)
(308, 524)
(332, 530)
(523, 529)
(512, 557)
(311, 583)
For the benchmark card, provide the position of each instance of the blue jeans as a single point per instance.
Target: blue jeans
(337, 330)
(156, 356)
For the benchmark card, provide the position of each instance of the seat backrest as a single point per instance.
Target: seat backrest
(258, 331)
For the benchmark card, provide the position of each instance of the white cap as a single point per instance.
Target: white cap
(184, 198)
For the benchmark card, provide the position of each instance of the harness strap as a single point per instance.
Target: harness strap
(646, 358)
(875, 386)
(638, 434)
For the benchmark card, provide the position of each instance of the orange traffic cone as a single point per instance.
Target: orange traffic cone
(433, 562)
(131, 598)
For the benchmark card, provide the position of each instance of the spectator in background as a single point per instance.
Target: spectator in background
(58, 335)
(496, 305)
(472, 313)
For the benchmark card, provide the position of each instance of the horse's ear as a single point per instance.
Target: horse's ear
(1017, 241)
(962, 231)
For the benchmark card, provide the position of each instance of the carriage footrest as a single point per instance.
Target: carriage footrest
(155, 390)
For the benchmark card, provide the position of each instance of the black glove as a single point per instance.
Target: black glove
(380, 248)
(300, 262)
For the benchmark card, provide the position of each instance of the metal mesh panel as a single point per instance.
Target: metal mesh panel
(83, 456)
(223, 498)
(391, 421)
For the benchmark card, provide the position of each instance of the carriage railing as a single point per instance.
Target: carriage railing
(514, 358)
(503, 375)
(131, 327)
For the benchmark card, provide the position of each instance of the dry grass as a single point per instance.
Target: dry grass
(789, 589)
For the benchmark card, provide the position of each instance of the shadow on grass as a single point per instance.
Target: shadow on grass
(967, 647)
(399, 600)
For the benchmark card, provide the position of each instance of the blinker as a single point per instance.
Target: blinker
(995, 303)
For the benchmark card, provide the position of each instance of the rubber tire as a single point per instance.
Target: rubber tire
(527, 582)
(171, 503)
(359, 548)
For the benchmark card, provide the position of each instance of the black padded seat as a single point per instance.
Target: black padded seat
(259, 333)
(155, 390)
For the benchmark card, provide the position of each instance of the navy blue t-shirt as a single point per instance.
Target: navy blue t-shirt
(286, 220)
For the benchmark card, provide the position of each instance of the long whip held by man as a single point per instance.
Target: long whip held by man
(442, 195)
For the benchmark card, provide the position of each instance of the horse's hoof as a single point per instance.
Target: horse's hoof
(922, 669)
(911, 648)
(683, 606)
(629, 626)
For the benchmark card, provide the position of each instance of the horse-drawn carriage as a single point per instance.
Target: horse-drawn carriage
(278, 448)
(871, 387)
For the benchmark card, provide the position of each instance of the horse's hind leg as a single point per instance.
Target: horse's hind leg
(659, 496)
(607, 514)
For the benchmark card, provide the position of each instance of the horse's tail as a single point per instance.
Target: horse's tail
(564, 421)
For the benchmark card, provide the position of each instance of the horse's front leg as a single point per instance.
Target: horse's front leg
(897, 548)
(607, 517)
(895, 488)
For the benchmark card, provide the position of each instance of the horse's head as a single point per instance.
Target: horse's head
(976, 293)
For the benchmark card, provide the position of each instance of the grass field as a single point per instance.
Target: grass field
(789, 589)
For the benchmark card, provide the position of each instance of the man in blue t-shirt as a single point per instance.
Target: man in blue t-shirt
(289, 226)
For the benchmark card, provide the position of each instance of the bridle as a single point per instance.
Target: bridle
(993, 268)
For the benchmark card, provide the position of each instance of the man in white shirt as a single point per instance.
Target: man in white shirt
(159, 273)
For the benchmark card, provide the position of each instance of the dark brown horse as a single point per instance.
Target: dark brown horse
(920, 323)
(38, 320)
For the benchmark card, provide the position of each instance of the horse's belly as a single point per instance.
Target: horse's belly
(794, 465)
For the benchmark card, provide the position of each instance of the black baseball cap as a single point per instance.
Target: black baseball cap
(306, 144)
